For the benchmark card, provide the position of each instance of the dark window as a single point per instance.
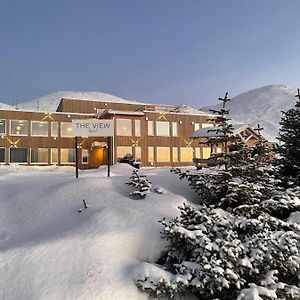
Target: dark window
(18, 155)
(2, 155)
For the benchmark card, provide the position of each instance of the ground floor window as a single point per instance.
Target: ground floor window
(138, 153)
(175, 153)
(151, 154)
(67, 156)
(18, 155)
(206, 152)
(163, 154)
(186, 154)
(2, 155)
(123, 151)
(197, 152)
(85, 156)
(54, 156)
(39, 156)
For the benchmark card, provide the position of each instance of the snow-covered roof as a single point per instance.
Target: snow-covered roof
(210, 131)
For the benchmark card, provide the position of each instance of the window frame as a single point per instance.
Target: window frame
(14, 134)
(39, 163)
(61, 127)
(130, 131)
(168, 126)
(88, 156)
(39, 135)
(67, 163)
(157, 152)
(19, 163)
(51, 133)
(3, 162)
(5, 129)
(51, 161)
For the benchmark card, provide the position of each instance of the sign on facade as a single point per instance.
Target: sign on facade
(93, 127)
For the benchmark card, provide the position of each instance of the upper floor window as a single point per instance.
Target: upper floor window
(162, 128)
(174, 129)
(137, 127)
(150, 128)
(197, 126)
(54, 129)
(2, 126)
(66, 129)
(19, 127)
(124, 127)
(39, 128)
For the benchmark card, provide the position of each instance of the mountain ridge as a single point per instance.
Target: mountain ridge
(263, 105)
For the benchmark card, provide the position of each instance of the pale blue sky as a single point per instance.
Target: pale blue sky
(160, 51)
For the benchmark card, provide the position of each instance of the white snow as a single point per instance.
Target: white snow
(48, 250)
(6, 106)
(50, 102)
(261, 106)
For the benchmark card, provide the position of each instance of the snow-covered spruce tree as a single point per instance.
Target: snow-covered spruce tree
(236, 244)
(142, 186)
(289, 149)
(214, 254)
(222, 136)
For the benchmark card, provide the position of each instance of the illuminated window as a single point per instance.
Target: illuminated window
(124, 127)
(162, 128)
(123, 151)
(186, 154)
(175, 153)
(18, 155)
(174, 129)
(197, 126)
(163, 154)
(150, 128)
(19, 127)
(151, 154)
(54, 155)
(2, 127)
(39, 156)
(138, 153)
(39, 128)
(205, 125)
(66, 129)
(197, 152)
(137, 127)
(2, 155)
(85, 156)
(206, 152)
(219, 150)
(54, 129)
(67, 156)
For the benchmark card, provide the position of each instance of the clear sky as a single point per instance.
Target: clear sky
(160, 51)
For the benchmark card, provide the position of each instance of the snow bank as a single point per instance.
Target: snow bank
(48, 250)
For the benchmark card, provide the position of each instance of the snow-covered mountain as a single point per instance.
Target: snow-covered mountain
(263, 106)
(50, 102)
(5, 106)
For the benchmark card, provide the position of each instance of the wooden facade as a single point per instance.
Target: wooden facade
(139, 142)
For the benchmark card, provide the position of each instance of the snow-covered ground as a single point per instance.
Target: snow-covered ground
(48, 250)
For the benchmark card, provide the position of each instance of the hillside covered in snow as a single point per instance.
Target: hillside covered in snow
(263, 106)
